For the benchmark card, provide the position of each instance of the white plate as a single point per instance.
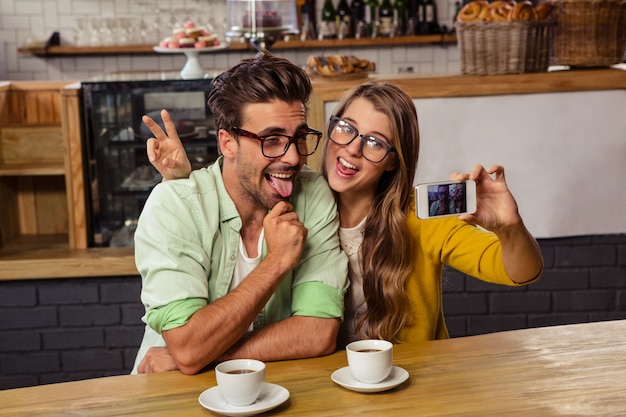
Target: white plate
(344, 378)
(222, 45)
(271, 396)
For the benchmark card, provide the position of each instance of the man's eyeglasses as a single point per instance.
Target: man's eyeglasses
(274, 146)
(372, 148)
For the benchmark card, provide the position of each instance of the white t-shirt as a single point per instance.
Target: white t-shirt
(245, 265)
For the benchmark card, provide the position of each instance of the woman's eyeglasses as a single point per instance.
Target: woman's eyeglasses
(372, 148)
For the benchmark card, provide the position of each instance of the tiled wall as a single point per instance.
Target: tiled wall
(34, 20)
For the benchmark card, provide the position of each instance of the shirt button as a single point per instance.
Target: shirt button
(232, 257)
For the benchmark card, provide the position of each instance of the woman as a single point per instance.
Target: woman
(395, 258)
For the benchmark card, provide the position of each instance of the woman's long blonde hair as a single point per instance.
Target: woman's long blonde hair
(386, 249)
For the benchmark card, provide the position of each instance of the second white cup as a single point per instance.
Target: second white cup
(240, 380)
(370, 361)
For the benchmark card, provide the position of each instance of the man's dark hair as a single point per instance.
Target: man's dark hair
(256, 80)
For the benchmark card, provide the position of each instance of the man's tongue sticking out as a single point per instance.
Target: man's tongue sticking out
(284, 186)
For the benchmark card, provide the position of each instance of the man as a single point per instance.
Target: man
(442, 204)
(242, 259)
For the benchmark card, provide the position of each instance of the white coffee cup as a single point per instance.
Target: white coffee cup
(370, 360)
(240, 381)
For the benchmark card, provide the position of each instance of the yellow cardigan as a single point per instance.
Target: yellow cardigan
(466, 248)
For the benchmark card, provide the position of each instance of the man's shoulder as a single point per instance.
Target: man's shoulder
(311, 179)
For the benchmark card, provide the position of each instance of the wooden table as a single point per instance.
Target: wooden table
(573, 370)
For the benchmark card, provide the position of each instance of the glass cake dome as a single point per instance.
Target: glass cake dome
(261, 21)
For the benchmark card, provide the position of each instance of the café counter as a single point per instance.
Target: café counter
(571, 370)
(480, 108)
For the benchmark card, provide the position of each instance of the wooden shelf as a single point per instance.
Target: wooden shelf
(16, 170)
(61, 50)
(49, 256)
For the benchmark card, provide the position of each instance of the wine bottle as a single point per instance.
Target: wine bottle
(328, 21)
(412, 22)
(307, 31)
(371, 17)
(344, 18)
(385, 17)
(430, 16)
(357, 12)
(400, 17)
(421, 18)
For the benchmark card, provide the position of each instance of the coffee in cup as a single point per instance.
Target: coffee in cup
(370, 361)
(240, 381)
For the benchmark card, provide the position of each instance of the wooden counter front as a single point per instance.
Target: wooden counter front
(72, 259)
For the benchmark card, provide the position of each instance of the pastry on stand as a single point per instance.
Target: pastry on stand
(191, 40)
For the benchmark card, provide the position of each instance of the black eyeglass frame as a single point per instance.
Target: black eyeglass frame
(292, 139)
(333, 122)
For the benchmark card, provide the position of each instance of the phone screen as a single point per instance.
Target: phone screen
(447, 199)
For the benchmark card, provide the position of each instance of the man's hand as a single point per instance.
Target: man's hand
(165, 151)
(157, 359)
(285, 235)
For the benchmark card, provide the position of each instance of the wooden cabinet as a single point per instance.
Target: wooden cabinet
(32, 172)
(42, 196)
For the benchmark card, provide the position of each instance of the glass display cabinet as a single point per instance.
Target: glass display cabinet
(117, 170)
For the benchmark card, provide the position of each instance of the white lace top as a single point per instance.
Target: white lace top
(351, 239)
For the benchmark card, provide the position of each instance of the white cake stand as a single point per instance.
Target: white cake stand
(192, 69)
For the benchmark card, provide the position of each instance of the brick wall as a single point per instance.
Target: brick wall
(70, 329)
(584, 280)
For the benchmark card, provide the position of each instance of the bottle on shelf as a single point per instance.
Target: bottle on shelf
(412, 24)
(307, 31)
(430, 16)
(312, 8)
(400, 17)
(371, 17)
(344, 18)
(328, 21)
(357, 12)
(422, 26)
(385, 18)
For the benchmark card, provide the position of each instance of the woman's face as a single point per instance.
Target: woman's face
(348, 171)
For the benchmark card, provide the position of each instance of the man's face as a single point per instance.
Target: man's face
(442, 193)
(261, 180)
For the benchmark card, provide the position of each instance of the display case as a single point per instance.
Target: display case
(261, 22)
(117, 170)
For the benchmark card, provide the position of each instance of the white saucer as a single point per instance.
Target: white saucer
(272, 396)
(344, 378)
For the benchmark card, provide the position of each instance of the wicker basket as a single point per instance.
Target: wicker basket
(589, 33)
(504, 47)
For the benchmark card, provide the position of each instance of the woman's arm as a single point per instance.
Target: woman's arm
(165, 151)
(496, 210)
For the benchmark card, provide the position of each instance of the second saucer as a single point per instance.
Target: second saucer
(344, 378)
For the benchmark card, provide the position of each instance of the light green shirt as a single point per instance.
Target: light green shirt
(186, 247)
